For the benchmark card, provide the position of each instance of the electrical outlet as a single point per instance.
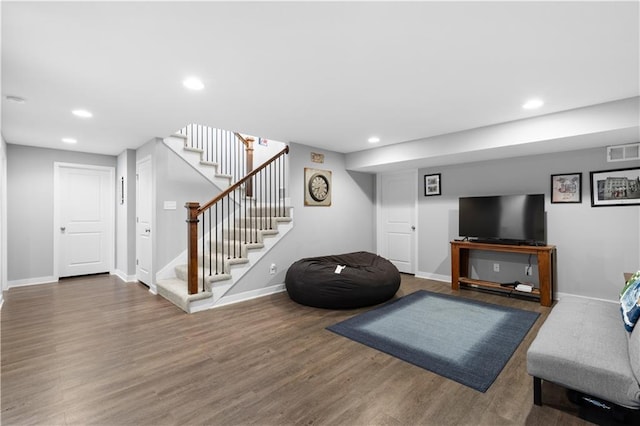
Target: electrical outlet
(496, 267)
(527, 270)
(273, 269)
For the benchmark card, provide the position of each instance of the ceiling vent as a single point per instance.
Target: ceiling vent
(623, 152)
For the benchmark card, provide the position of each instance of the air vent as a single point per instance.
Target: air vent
(623, 152)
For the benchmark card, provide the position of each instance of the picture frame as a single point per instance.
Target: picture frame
(566, 188)
(432, 185)
(618, 187)
(317, 187)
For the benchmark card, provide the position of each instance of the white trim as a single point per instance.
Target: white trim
(561, 295)
(3, 219)
(245, 296)
(434, 277)
(1, 301)
(124, 277)
(379, 224)
(32, 281)
(111, 220)
(557, 295)
(152, 220)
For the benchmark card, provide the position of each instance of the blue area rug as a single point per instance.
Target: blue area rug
(461, 339)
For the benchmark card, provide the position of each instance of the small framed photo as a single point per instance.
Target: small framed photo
(619, 187)
(566, 188)
(432, 185)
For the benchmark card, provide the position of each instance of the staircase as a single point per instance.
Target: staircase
(229, 234)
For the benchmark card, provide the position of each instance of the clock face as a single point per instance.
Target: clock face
(318, 187)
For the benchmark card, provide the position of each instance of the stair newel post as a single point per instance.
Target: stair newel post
(192, 246)
(249, 150)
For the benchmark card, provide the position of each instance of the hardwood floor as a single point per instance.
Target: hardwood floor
(99, 351)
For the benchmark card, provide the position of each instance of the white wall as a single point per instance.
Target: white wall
(608, 123)
(125, 215)
(595, 245)
(30, 209)
(347, 225)
(262, 153)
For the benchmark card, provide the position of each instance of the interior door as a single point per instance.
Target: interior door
(144, 210)
(85, 204)
(398, 193)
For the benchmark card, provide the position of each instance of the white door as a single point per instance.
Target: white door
(144, 209)
(84, 222)
(397, 221)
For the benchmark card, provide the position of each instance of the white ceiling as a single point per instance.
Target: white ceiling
(325, 74)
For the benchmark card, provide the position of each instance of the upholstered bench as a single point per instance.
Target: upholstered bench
(584, 347)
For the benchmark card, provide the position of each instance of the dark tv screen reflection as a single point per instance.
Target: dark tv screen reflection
(504, 218)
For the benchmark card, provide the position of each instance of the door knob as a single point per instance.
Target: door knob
(62, 228)
(413, 228)
(147, 230)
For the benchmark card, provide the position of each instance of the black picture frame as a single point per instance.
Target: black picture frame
(566, 188)
(432, 185)
(617, 187)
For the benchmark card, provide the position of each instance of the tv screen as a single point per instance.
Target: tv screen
(504, 218)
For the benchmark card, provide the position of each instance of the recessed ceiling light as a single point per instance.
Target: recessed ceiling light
(83, 113)
(533, 104)
(193, 83)
(69, 140)
(374, 139)
(16, 99)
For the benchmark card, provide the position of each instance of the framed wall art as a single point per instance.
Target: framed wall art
(566, 188)
(317, 187)
(432, 185)
(619, 187)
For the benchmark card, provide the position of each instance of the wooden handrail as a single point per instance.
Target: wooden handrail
(242, 139)
(241, 181)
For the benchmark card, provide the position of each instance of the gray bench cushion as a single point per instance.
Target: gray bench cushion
(634, 351)
(583, 346)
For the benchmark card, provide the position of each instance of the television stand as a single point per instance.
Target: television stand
(460, 267)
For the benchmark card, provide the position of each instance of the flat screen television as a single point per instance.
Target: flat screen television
(511, 219)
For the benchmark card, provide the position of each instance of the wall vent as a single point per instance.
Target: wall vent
(623, 152)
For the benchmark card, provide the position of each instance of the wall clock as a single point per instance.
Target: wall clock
(317, 187)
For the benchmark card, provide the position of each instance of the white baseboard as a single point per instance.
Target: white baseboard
(556, 296)
(124, 277)
(32, 281)
(248, 295)
(435, 277)
(1, 301)
(559, 296)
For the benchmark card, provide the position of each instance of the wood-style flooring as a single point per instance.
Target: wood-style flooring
(96, 350)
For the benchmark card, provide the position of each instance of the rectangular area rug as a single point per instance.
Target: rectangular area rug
(464, 340)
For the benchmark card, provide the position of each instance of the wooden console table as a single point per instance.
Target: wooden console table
(460, 267)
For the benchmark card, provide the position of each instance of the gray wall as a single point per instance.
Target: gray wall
(594, 245)
(30, 207)
(174, 180)
(347, 225)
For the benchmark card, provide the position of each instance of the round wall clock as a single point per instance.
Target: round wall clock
(317, 187)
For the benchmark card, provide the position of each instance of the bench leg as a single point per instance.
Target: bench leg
(537, 390)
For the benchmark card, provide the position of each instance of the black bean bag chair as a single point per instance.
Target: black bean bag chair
(344, 281)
